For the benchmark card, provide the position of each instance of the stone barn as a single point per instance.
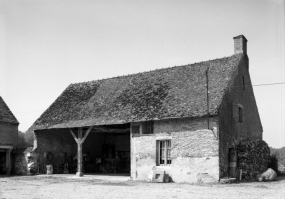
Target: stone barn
(8, 137)
(183, 120)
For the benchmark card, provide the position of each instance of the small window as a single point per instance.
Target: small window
(240, 119)
(243, 83)
(136, 130)
(164, 151)
(148, 128)
(142, 128)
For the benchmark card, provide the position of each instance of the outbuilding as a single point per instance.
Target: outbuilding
(8, 137)
(185, 121)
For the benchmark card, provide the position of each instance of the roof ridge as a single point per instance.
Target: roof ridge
(166, 68)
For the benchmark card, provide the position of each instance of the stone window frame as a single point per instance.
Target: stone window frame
(166, 144)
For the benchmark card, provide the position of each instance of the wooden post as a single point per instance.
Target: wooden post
(79, 154)
(8, 161)
(79, 160)
(80, 142)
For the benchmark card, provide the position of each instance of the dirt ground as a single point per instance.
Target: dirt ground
(99, 186)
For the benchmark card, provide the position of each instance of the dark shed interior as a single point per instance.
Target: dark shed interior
(105, 150)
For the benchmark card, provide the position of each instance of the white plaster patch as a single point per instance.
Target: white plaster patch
(145, 168)
(195, 170)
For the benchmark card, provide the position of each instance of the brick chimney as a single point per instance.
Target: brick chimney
(240, 44)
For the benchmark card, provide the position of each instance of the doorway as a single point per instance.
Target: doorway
(107, 150)
(3, 162)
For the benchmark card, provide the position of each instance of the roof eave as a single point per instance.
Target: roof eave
(213, 113)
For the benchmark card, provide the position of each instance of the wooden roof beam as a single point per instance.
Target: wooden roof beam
(80, 140)
(104, 129)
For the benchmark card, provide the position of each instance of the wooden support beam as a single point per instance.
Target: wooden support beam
(73, 135)
(79, 153)
(104, 129)
(101, 129)
(86, 134)
(79, 142)
(79, 134)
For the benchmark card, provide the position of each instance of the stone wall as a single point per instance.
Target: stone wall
(231, 131)
(20, 162)
(56, 141)
(8, 134)
(194, 151)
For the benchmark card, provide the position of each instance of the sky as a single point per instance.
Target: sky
(47, 45)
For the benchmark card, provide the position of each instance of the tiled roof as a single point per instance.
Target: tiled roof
(5, 114)
(174, 92)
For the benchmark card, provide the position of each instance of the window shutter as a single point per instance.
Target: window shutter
(157, 153)
(149, 127)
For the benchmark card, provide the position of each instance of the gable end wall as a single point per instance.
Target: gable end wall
(231, 131)
(8, 134)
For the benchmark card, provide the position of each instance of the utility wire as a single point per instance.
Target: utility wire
(276, 83)
(269, 84)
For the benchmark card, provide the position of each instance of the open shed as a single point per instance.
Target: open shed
(181, 120)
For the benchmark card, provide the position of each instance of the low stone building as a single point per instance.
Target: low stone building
(8, 137)
(184, 120)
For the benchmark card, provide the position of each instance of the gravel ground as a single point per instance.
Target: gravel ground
(69, 186)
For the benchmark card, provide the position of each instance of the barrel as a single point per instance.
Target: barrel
(232, 163)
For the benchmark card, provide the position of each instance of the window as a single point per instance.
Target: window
(136, 130)
(243, 82)
(164, 151)
(142, 128)
(240, 119)
(148, 127)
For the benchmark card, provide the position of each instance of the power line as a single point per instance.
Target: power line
(269, 84)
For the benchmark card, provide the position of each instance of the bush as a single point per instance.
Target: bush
(273, 163)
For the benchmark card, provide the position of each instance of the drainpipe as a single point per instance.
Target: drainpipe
(207, 87)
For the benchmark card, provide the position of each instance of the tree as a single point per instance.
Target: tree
(21, 140)
(278, 155)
